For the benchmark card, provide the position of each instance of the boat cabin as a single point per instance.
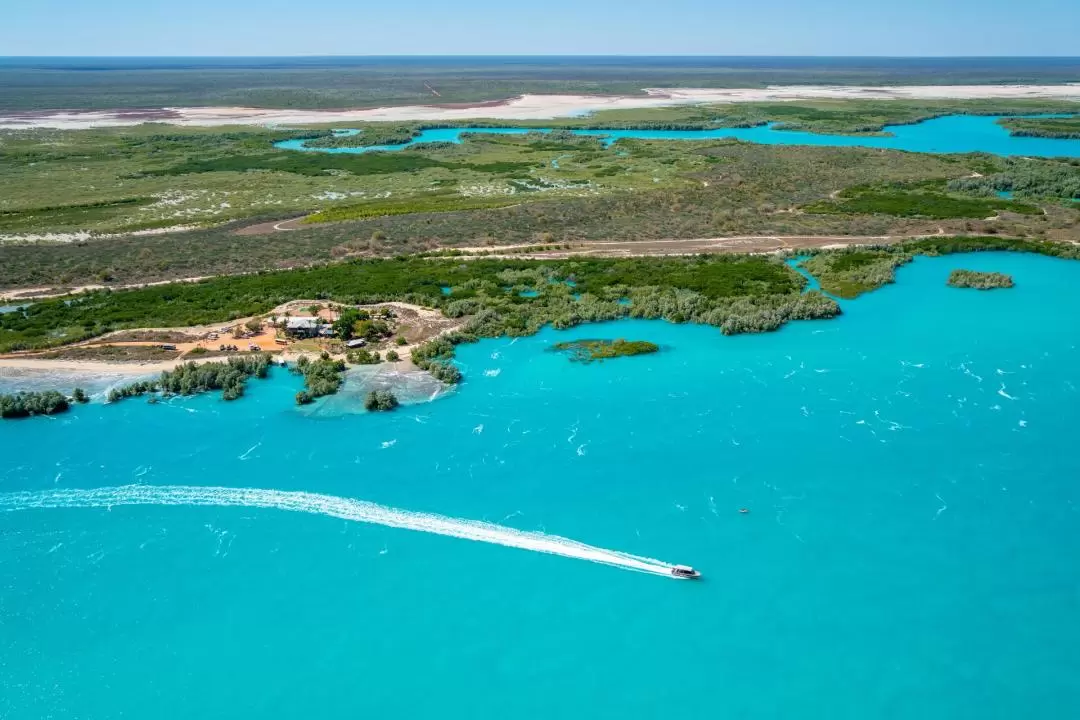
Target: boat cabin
(685, 571)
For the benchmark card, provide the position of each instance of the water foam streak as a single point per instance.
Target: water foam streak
(329, 506)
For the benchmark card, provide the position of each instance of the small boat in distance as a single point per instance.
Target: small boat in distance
(685, 572)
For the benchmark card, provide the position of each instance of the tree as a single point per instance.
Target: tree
(346, 322)
(380, 400)
(79, 395)
(445, 372)
(362, 356)
(254, 325)
(392, 356)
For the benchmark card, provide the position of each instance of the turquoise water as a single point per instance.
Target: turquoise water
(950, 134)
(795, 264)
(910, 550)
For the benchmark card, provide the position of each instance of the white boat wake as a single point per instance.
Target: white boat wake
(329, 506)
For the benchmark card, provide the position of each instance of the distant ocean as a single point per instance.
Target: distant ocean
(928, 65)
(908, 551)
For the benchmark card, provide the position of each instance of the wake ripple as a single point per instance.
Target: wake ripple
(329, 506)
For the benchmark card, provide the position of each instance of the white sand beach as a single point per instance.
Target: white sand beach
(525, 107)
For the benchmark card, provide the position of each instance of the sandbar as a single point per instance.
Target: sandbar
(525, 107)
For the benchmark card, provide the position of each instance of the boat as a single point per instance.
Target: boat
(685, 572)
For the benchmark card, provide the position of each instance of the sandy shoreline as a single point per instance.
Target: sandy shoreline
(87, 366)
(526, 107)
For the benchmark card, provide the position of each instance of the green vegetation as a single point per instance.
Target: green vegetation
(362, 357)
(380, 400)
(924, 202)
(321, 377)
(191, 378)
(445, 373)
(79, 395)
(318, 164)
(423, 204)
(738, 293)
(979, 280)
(1027, 178)
(25, 404)
(850, 273)
(734, 292)
(382, 134)
(157, 336)
(79, 215)
(351, 323)
(952, 245)
(833, 117)
(141, 387)
(1063, 128)
(392, 356)
(588, 350)
(112, 353)
(435, 356)
(122, 180)
(491, 190)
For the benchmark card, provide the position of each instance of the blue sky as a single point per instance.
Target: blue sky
(594, 27)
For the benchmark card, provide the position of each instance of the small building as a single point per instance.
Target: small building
(356, 343)
(302, 327)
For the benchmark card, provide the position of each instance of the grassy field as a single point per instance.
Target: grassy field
(71, 199)
(922, 200)
(123, 180)
(661, 191)
(155, 176)
(99, 83)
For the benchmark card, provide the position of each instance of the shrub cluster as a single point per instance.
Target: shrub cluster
(321, 377)
(979, 280)
(191, 378)
(380, 400)
(363, 357)
(25, 404)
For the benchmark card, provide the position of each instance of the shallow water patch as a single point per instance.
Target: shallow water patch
(948, 134)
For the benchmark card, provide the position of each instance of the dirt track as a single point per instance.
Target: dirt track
(641, 248)
(271, 227)
(605, 248)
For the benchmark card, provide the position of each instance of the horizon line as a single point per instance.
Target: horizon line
(565, 55)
